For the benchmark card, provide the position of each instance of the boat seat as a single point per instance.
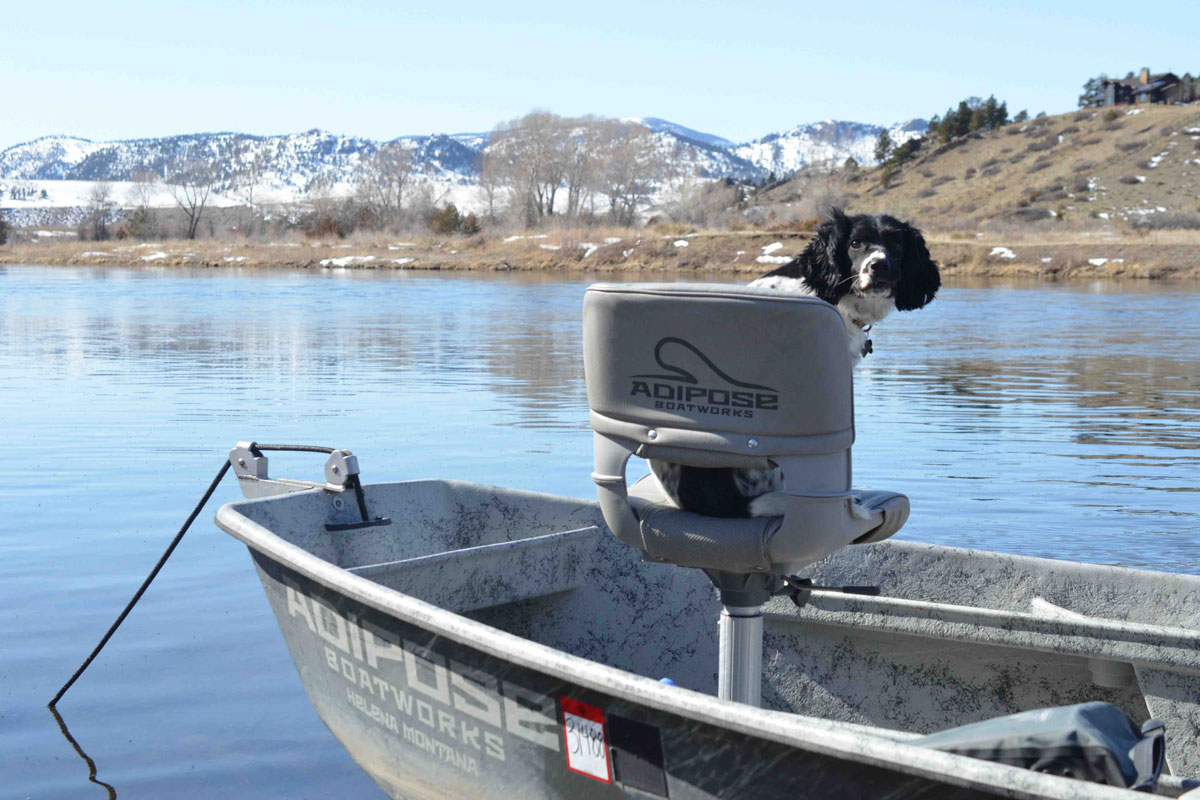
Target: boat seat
(680, 537)
(714, 375)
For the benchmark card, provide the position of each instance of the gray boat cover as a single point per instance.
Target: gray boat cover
(1092, 741)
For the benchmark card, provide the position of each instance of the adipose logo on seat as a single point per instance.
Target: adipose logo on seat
(680, 390)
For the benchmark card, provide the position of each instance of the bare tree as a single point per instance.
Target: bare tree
(100, 207)
(140, 220)
(382, 179)
(630, 167)
(190, 184)
(528, 158)
(142, 188)
(490, 183)
(578, 155)
(253, 163)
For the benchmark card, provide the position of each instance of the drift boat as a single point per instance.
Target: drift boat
(463, 640)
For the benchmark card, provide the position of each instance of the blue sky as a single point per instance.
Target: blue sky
(127, 69)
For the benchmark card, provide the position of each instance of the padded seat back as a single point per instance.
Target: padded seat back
(716, 375)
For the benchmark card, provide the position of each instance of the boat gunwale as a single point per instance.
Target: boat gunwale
(813, 734)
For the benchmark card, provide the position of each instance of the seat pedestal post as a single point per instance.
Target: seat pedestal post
(739, 669)
(739, 674)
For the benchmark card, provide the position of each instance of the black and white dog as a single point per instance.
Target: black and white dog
(862, 265)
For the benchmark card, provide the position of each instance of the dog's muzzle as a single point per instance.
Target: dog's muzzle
(876, 268)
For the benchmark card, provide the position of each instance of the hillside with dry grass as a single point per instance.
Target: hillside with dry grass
(1097, 192)
(1136, 166)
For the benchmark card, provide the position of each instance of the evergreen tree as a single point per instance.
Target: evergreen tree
(1000, 118)
(4, 230)
(883, 146)
(887, 174)
(947, 127)
(850, 164)
(1093, 91)
(989, 112)
(934, 122)
(446, 220)
(1021, 116)
(962, 119)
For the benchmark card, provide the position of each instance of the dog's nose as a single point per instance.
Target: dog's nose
(878, 263)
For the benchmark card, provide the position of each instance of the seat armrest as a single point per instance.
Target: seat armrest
(892, 508)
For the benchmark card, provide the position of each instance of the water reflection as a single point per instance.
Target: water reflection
(91, 765)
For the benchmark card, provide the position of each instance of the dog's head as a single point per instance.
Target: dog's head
(870, 255)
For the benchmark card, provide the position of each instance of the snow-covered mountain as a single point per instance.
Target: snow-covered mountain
(829, 143)
(290, 165)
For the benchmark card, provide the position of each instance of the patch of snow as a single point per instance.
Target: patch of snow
(1103, 215)
(681, 242)
(1097, 262)
(54, 234)
(540, 236)
(154, 256)
(235, 258)
(514, 238)
(588, 248)
(772, 247)
(403, 261)
(550, 246)
(1140, 178)
(398, 245)
(1134, 112)
(93, 254)
(626, 253)
(1053, 213)
(345, 261)
(612, 240)
(1047, 260)
(773, 259)
(1002, 252)
(1118, 261)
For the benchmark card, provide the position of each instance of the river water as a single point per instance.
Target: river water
(1048, 420)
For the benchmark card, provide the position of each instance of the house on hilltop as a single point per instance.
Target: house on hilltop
(1165, 87)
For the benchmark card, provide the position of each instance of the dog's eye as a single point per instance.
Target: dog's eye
(855, 244)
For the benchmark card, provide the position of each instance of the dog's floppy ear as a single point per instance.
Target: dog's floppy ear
(919, 276)
(822, 270)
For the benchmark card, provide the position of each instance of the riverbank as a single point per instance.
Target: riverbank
(1051, 256)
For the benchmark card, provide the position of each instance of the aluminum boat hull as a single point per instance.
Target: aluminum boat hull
(494, 643)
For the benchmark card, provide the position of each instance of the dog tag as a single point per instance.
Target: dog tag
(868, 348)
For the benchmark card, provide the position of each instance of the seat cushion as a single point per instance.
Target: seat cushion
(680, 537)
(693, 540)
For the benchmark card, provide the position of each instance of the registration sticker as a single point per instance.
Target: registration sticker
(587, 748)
